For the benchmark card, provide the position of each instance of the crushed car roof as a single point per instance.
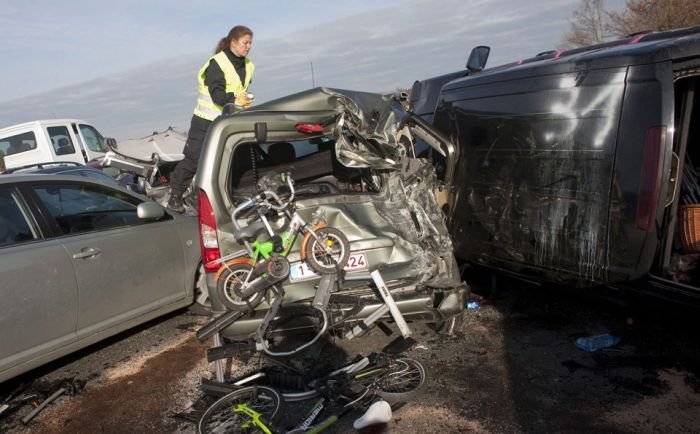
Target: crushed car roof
(372, 122)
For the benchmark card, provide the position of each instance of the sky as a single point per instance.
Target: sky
(129, 66)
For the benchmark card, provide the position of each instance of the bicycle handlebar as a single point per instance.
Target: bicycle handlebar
(264, 200)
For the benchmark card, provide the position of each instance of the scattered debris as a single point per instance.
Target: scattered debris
(594, 343)
(41, 406)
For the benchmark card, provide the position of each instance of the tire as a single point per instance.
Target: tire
(316, 256)
(202, 303)
(454, 323)
(405, 376)
(220, 417)
(229, 281)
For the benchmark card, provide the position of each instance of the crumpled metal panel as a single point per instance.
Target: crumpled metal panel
(366, 131)
(410, 205)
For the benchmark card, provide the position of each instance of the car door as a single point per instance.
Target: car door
(38, 289)
(125, 267)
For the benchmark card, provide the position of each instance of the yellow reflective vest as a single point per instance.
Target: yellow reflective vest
(206, 108)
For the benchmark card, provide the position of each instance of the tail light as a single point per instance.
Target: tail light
(650, 184)
(208, 241)
(309, 128)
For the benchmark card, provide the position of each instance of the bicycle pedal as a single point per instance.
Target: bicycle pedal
(385, 328)
(399, 345)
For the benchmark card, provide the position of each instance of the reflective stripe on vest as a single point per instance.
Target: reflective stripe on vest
(206, 108)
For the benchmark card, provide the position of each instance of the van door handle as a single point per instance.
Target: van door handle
(87, 252)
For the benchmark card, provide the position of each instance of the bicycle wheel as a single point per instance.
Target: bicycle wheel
(221, 417)
(331, 247)
(230, 282)
(402, 378)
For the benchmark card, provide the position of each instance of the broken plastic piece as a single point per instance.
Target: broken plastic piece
(594, 343)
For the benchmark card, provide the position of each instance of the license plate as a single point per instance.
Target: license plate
(301, 271)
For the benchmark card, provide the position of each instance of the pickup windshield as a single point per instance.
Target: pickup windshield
(93, 139)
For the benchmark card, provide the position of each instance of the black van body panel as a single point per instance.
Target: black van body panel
(556, 163)
(536, 169)
(424, 94)
(648, 103)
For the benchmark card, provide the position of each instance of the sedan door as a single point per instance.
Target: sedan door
(38, 290)
(125, 267)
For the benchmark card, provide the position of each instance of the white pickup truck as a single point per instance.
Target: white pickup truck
(51, 140)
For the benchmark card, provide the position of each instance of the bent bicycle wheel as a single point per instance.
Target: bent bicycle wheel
(399, 379)
(332, 247)
(229, 285)
(221, 417)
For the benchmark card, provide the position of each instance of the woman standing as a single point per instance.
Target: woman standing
(223, 79)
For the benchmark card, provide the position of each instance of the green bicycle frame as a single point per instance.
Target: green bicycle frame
(255, 418)
(265, 248)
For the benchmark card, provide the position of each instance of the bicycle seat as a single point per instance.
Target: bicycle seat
(250, 232)
(377, 413)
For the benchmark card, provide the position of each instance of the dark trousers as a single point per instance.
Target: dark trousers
(185, 169)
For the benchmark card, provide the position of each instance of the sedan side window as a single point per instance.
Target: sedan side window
(14, 221)
(78, 208)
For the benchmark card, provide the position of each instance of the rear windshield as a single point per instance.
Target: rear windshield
(309, 161)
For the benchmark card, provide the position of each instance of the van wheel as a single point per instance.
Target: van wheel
(453, 324)
(449, 326)
(202, 303)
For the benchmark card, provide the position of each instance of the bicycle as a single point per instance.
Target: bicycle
(378, 374)
(246, 275)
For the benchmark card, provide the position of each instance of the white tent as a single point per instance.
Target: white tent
(168, 144)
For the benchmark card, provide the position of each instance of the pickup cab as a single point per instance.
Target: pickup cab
(53, 140)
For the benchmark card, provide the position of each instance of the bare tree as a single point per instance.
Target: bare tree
(590, 24)
(641, 15)
(593, 24)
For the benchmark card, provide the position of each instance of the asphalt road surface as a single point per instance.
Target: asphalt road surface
(512, 367)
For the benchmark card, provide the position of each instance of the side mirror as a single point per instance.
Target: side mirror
(260, 132)
(149, 211)
(111, 142)
(477, 58)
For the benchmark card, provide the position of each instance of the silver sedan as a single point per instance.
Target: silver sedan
(81, 260)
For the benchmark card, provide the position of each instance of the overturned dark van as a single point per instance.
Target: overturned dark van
(579, 167)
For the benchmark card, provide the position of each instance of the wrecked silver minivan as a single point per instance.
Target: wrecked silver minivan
(352, 157)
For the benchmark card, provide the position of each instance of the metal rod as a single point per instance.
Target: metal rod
(41, 406)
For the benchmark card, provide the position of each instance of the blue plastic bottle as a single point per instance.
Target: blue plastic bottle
(594, 343)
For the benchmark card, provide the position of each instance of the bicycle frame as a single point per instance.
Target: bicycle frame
(265, 248)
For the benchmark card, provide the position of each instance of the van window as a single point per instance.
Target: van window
(61, 141)
(309, 161)
(14, 224)
(306, 159)
(18, 143)
(93, 139)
